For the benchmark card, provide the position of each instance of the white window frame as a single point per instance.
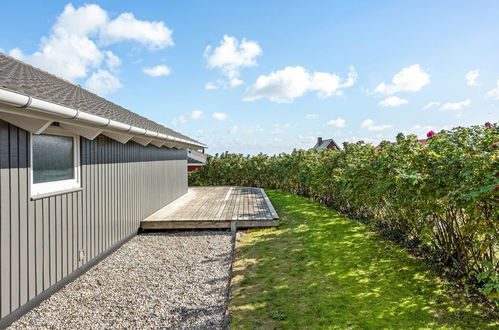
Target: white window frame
(43, 188)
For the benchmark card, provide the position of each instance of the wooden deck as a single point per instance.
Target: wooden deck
(216, 207)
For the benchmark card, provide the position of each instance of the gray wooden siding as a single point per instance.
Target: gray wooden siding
(41, 240)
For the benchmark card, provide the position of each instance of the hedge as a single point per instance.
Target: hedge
(438, 196)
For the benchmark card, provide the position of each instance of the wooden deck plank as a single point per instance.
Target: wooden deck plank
(215, 207)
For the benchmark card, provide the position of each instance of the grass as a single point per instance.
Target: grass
(322, 270)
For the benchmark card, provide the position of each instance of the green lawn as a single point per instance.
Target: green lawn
(322, 270)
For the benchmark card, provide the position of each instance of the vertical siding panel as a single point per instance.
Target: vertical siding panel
(43, 208)
(4, 220)
(14, 218)
(76, 222)
(64, 235)
(39, 246)
(90, 201)
(23, 217)
(87, 206)
(69, 234)
(101, 229)
(53, 240)
(58, 232)
(83, 201)
(31, 248)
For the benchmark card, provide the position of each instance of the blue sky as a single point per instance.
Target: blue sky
(254, 77)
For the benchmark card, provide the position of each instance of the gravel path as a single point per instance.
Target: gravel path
(166, 280)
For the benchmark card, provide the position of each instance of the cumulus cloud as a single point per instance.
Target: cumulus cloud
(494, 92)
(196, 114)
(219, 116)
(112, 61)
(456, 105)
(179, 120)
(285, 85)
(431, 105)
(340, 122)
(73, 49)
(392, 101)
(410, 79)
(157, 71)
(369, 124)
(102, 82)
(230, 56)
(126, 27)
(471, 77)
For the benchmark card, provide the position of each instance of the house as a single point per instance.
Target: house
(77, 175)
(195, 160)
(325, 144)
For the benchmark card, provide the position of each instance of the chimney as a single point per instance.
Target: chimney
(319, 141)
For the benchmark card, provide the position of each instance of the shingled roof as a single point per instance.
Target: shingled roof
(23, 78)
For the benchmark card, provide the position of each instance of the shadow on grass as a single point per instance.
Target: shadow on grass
(322, 270)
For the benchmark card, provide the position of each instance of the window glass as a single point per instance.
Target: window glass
(53, 158)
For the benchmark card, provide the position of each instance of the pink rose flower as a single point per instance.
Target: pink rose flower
(488, 124)
(430, 134)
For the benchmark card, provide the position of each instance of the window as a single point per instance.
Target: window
(54, 162)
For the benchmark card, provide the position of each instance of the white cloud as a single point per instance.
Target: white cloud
(456, 105)
(219, 116)
(471, 77)
(211, 85)
(392, 101)
(280, 129)
(233, 129)
(73, 49)
(196, 114)
(311, 116)
(337, 122)
(430, 105)
(494, 92)
(112, 61)
(157, 71)
(230, 56)
(285, 85)
(179, 120)
(245, 130)
(410, 79)
(126, 27)
(369, 124)
(103, 82)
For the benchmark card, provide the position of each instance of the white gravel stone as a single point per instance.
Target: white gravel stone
(156, 280)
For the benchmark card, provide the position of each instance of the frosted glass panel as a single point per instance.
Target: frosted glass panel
(53, 158)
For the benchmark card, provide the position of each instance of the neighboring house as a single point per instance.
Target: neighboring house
(195, 160)
(325, 144)
(77, 175)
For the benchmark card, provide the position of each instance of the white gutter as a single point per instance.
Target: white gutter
(31, 103)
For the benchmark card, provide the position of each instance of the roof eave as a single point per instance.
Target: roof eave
(24, 105)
